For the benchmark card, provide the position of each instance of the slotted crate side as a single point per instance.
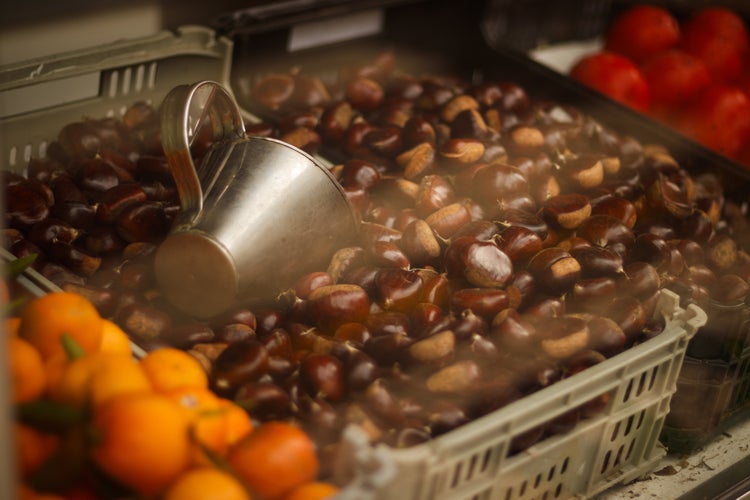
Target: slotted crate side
(629, 447)
(473, 461)
(553, 468)
(39, 97)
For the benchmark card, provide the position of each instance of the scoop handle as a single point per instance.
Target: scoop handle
(184, 112)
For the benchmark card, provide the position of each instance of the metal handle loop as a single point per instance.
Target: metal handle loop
(183, 114)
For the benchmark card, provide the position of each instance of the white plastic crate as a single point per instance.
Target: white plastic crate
(617, 445)
(38, 97)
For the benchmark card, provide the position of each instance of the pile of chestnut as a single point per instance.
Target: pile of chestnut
(504, 244)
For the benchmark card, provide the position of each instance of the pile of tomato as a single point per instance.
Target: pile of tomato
(692, 72)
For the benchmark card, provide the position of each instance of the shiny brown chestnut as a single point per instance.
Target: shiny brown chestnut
(398, 289)
(418, 160)
(364, 94)
(264, 400)
(448, 219)
(24, 207)
(142, 221)
(484, 302)
(605, 231)
(333, 305)
(596, 261)
(513, 333)
(241, 362)
(479, 263)
(454, 378)
(434, 193)
(563, 337)
(322, 375)
(419, 243)
(554, 270)
(462, 151)
(567, 210)
(519, 243)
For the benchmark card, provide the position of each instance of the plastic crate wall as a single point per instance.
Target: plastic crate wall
(40, 96)
(618, 444)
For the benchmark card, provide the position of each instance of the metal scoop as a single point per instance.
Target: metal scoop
(256, 215)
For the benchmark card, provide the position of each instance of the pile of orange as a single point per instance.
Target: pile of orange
(93, 422)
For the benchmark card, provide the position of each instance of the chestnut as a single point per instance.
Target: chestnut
(596, 261)
(605, 231)
(398, 289)
(554, 270)
(479, 263)
(387, 254)
(24, 207)
(417, 161)
(264, 400)
(142, 221)
(513, 333)
(485, 302)
(448, 219)
(564, 336)
(519, 243)
(462, 151)
(567, 210)
(434, 193)
(435, 349)
(455, 378)
(419, 243)
(322, 375)
(239, 363)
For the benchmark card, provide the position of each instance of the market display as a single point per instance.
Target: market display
(505, 245)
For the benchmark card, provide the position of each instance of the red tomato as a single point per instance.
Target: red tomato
(615, 76)
(673, 77)
(719, 21)
(718, 118)
(719, 37)
(642, 30)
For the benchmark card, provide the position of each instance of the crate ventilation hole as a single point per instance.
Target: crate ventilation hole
(135, 79)
(550, 483)
(622, 434)
(119, 82)
(645, 384)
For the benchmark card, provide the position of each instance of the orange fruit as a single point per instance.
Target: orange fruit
(316, 490)
(114, 339)
(237, 422)
(54, 367)
(169, 368)
(97, 377)
(27, 372)
(206, 423)
(142, 441)
(274, 459)
(33, 447)
(45, 319)
(12, 324)
(118, 375)
(206, 483)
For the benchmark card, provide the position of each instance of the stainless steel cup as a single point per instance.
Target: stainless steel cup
(257, 214)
